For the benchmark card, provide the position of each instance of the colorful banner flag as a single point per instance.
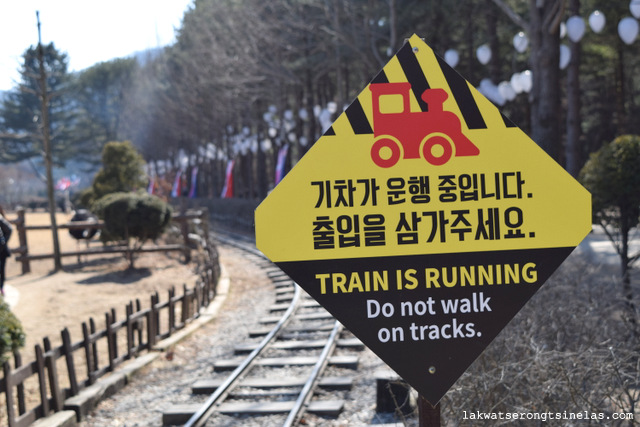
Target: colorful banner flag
(63, 184)
(227, 190)
(282, 159)
(152, 185)
(175, 190)
(194, 180)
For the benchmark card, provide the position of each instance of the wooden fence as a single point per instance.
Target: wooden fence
(86, 359)
(24, 257)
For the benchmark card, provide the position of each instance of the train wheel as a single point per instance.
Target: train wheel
(437, 150)
(385, 152)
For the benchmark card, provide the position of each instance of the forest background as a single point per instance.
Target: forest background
(246, 78)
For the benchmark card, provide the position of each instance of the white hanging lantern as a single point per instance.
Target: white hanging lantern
(526, 80)
(634, 7)
(628, 29)
(575, 28)
(288, 115)
(506, 91)
(244, 147)
(211, 151)
(451, 57)
(484, 54)
(183, 159)
(516, 83)
(488, 89)
(325, 119)
(563, 30)
(520, 42)
(303, 114)
(565, 56)
(160, 167)
(265, 145)
(597, 21)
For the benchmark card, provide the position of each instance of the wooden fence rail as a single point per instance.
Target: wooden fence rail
(143, 328)
(24, 257)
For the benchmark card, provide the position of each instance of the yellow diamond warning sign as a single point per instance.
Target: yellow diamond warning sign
(423, 219)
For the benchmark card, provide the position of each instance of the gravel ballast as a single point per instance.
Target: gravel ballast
(167, 380)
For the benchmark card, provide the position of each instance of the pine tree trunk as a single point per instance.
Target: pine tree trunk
(574, 131)
(545, 58)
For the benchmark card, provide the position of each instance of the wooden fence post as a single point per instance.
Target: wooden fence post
(8, 392)
(94, 347)
(115, 333)
(22, 237)
(110, 340)
(22, 407)
(198, 303)
(130, 336)
(42, 381)
(152, 326)
(172, 310)
(184, 228)
(87, 352)
(139, 322)
(52, 371)
(71, 367)
(185, 305)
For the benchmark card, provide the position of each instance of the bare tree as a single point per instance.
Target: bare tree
(48, 159)
(543, 29)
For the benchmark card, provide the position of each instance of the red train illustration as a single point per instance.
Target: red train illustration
(435, 134)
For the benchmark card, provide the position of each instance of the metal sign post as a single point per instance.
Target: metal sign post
(428, 415)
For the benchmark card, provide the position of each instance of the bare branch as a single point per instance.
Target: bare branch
(554, 17)
(611, 237)
(14, 136)
(517, 19)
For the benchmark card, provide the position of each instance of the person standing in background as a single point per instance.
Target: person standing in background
(5, 235)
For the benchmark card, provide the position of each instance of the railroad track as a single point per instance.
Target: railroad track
(298, 361)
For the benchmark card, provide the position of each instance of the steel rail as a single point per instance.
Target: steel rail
(307, 391)
(231, 239)
(199, 418)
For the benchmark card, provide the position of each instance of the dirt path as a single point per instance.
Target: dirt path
(46, 303)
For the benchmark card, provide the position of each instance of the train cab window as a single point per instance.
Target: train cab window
(392, 103)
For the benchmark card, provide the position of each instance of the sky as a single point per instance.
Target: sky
(89, 31)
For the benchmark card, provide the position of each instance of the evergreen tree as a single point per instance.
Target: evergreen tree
(21, 111)
(122, 171)
(98, 95)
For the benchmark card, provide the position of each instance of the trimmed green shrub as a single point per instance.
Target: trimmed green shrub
(612, 175)
(133, 217)
(122, 170)
(11, 332)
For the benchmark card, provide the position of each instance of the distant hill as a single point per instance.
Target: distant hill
(144, 56)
